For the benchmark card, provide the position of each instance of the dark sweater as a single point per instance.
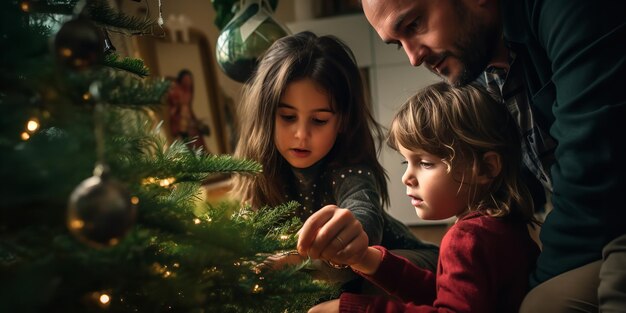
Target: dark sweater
(574, 60)
(483, 267)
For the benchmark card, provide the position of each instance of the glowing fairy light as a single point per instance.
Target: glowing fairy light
(196, 221)
(104, 298)
(77, 224)
(134, 200)
(284, 237)
(25, 136)
(165, 182)
(32, 125)
(25, 6)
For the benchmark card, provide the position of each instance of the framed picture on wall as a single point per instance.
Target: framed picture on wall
(195, 110)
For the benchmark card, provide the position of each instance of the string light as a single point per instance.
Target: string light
(25, 6)
(196, 221)
(32, 125)
(284, 237)
(77, 224)
(134, 200)
(257, 288)
(165, 182)
(104, 298)
(25, 136)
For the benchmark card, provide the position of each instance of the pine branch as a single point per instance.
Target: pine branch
(101, 13)
(128, 91)
(134, 66)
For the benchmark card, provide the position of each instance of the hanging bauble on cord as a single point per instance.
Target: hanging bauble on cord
(79, 44)
(246, 37)
(100, 210)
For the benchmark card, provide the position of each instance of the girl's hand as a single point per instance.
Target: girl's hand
(282, 260)
(324, 307)
(333, 234)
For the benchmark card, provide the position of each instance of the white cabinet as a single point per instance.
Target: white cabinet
(392, 81)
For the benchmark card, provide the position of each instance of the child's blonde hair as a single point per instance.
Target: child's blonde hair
(461, 124)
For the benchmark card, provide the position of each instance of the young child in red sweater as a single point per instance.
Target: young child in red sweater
(462, 151)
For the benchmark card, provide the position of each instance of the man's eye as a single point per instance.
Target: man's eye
(398, 45)
(413, 27)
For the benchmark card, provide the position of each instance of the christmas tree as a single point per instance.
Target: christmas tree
(98, 213)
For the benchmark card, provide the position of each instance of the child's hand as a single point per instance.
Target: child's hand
(325, 307)
(333, 234)
(279, 261)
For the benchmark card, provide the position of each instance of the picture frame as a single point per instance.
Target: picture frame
(166, 56)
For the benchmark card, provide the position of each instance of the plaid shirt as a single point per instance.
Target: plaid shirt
(537, 145)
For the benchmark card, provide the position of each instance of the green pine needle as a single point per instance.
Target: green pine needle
(135, 66)
(101, 13)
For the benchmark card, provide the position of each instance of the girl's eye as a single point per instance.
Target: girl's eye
(426, 164)
(288, 118)
(318, 121)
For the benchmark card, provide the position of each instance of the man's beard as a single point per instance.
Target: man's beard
(474, 48)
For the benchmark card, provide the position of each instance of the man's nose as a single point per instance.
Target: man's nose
(416, 52)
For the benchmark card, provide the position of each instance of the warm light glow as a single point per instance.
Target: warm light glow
(167, 274)
(284, 237)
(166, 182)
(77, 224)
(104, 298)
(25, 6)
(196, 221)
(86, 96)
(25, 136)
(149, 180)
(32, 125)
(257, 288)
(134, 200)
(66, 52)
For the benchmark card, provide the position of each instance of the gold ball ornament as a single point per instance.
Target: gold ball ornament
(100, 211)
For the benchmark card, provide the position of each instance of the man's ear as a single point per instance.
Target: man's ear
(490, 167)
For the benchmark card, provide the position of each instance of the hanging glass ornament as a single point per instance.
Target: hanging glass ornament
(79, 44)
(100, 210)
(246, 37)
